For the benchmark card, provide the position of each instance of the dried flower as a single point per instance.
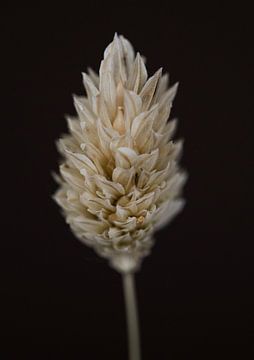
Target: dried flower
(120, 180)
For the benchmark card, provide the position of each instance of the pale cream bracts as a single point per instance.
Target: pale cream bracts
(120, 179)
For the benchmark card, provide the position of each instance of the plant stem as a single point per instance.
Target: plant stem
(131, 316)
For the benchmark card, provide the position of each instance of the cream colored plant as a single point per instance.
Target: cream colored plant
(120, 179)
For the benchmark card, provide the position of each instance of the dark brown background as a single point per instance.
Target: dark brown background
(58, 299)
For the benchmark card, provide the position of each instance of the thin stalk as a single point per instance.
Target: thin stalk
(131, 316)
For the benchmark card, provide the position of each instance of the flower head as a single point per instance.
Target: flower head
(120, 179)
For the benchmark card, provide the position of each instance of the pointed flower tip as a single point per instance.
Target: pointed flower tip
(175, 89)
(175, 86)
(67, 116)
(158, 73)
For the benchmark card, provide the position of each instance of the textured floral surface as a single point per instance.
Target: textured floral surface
(119, 177)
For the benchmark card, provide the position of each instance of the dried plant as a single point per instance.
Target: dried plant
(119, 178)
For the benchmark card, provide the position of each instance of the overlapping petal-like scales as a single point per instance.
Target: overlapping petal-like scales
(120, 178)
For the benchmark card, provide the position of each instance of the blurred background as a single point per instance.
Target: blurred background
(195, 291)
